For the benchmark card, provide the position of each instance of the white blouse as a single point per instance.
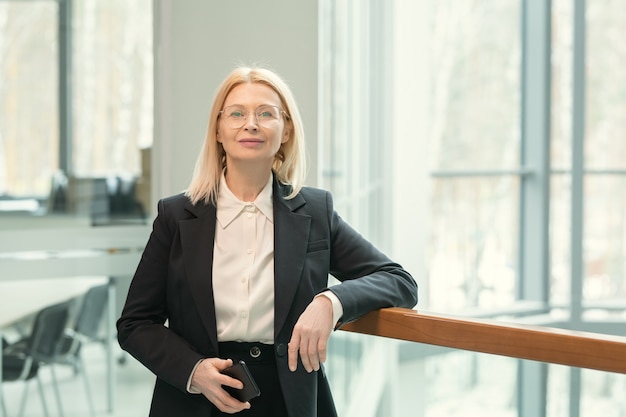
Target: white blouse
(243, 267)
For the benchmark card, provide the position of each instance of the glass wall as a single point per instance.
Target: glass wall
(515, 111)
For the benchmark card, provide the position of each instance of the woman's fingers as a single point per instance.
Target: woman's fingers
(310, 335)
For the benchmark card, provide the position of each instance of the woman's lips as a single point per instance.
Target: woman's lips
(250, 142)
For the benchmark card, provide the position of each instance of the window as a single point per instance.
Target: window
(112, 86)
(594, 103)
(355, 134)
(497, 131)
(76, 104)
(29, 127)
(474, 128)
(453, 111)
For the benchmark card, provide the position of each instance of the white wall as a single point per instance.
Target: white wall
(197, 42)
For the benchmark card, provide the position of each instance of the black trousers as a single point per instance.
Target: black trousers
(262, 364)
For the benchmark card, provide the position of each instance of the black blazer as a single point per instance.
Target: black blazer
(173, 283)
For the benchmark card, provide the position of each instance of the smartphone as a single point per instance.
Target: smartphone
(241, 372)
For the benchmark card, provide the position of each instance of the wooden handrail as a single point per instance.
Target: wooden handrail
(545, 344)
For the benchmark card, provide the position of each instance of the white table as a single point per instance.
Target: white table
(24, 297)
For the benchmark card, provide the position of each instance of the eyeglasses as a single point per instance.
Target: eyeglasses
(237, 116)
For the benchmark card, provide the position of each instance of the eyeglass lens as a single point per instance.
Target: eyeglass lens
(236, 116)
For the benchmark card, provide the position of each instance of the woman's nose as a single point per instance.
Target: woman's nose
(251, 122)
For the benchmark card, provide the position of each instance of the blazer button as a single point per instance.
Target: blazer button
(281, 349)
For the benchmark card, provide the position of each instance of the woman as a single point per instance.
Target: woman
(238, 268)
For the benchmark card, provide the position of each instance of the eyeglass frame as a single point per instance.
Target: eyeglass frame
(247, 114)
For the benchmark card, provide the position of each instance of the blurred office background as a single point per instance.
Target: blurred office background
(481, 143)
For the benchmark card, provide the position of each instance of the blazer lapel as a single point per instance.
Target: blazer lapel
(291, 235)
(197, 239)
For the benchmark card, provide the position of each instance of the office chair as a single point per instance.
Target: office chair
(86, 329)
(22, 360)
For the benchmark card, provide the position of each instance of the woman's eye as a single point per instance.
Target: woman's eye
(236, 114)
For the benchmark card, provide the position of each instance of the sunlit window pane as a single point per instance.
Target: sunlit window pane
(475, 93)
(561, 94)
(605, 152)
(605, 142)
(560, 237)
(601, 393)
(113, 95)
(464, 384)
(605, 237)
(474, 125)
(473, 244)
(29, 133)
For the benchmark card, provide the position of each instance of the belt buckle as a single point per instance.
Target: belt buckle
(255, 352)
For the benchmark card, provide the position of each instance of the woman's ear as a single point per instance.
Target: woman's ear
(286, 133)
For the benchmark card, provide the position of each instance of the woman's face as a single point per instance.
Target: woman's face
(252, 127)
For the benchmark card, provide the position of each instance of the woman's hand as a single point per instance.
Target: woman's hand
(208, 380)
(310, 335)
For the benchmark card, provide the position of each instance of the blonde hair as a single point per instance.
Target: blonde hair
(289, 162)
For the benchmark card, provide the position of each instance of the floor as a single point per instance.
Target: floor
(133, 389)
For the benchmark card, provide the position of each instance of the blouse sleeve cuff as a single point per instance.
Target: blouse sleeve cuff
(190, 389)
(337, 307)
